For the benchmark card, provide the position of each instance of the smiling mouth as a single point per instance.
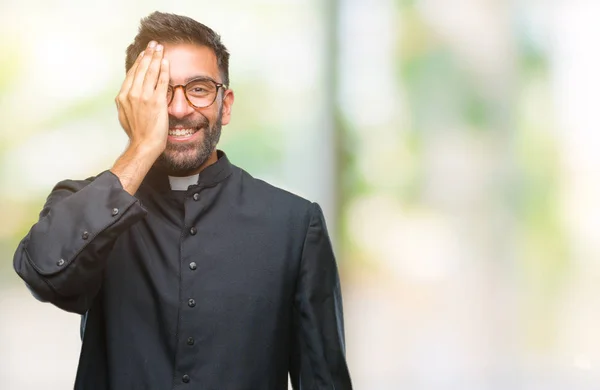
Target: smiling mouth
(182, 132)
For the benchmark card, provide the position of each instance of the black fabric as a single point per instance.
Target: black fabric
(262, 299)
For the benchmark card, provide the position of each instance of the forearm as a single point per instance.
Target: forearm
(133, 165)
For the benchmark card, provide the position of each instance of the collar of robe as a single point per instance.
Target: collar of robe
(210, 176)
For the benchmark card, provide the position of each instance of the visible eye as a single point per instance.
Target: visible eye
(200, 87)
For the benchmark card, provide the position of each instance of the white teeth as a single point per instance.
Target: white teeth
(181, 132)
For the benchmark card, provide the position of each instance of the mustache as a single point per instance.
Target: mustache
(188, 123)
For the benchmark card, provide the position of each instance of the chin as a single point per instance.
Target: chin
(182, 163)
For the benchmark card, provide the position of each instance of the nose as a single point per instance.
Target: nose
(179, 107)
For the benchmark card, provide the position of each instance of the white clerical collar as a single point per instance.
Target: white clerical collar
(182, 183)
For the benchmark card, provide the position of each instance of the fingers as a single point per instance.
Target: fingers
(122, 96)
(130, 75)
(140, 74)
(152, 74)
(146, 82)
(163, 79)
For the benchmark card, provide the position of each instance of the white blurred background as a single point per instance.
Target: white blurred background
(454, 146)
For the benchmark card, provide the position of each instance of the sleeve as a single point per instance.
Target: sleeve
(317, 358)
(63, 256)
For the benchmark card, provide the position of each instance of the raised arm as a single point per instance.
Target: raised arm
(63, 256)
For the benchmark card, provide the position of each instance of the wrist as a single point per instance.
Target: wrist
(145, 150)
(133, 165)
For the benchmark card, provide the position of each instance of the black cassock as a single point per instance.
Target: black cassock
(228, 285)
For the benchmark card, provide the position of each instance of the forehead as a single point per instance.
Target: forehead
(188, 60)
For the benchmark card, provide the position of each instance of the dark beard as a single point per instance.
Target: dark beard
(196, 153)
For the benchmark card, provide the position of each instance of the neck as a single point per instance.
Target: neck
(213, 158)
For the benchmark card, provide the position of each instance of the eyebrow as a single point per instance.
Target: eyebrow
(199, 78)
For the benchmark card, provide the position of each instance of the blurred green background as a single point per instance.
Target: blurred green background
(452, 145)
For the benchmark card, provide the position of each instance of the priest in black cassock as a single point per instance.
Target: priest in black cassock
(189, 273)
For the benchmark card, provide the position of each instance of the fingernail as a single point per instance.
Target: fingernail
(159, 47)
(152, 44)
(142, 54)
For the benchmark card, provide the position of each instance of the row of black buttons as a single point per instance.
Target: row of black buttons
(191, 302)
(190, 340)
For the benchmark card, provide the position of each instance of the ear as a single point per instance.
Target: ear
(228, 99)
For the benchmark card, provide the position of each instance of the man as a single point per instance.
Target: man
(189, 272)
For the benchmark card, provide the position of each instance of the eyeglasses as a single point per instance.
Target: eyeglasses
(199, 93)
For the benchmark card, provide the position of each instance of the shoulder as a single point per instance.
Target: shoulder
(271, 193)
(276, 203)
(75, 184)
(67, 186)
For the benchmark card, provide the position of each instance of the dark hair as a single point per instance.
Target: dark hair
(171, 28)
